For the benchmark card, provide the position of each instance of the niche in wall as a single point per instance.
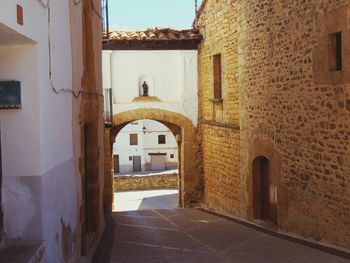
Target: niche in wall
(150, 82)
(151, 96)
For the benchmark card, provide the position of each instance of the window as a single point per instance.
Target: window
(217, 76)
(161, 139)
(130, 158)
(133, 138)
(171, 156)
(335, 52)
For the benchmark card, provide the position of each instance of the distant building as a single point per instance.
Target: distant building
(145, 145)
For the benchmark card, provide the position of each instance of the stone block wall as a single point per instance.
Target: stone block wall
(218, 27)
(288, 106)
(146, 182)
(223, 189)
(219, 120)
(108, 172)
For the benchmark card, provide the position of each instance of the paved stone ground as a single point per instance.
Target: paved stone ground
(20, 253)
(146, 200)
(190, 235)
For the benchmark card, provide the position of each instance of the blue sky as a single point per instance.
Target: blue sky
(143, 14)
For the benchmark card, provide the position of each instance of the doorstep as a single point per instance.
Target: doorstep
(22, 253)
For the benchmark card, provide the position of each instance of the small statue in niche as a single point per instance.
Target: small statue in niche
(145, 89)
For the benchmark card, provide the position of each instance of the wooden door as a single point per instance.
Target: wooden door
(116, 163)
(90, 187)
(1, 214)
(83, 249)
(158, 162)
(264, 191)
(136, 163)
(91, 178)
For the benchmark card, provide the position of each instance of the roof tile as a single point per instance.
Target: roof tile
(161, 34)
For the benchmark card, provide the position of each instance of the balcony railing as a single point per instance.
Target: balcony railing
(108, 107)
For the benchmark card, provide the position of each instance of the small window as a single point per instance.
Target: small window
(161, 139)
(335, 52)
(171, 156)
(217, 76)
(133, 139)
(130, 158)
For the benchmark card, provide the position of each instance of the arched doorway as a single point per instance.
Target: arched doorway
(264, 190)
(188, 159)
(145, 157)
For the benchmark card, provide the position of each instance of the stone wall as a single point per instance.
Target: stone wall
(219, 120)
(222, 183)
(145, 182)
(108, 172)
(289, 107)
(88, 130)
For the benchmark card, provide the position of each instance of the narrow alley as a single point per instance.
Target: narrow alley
(152, 235)
(175, 131)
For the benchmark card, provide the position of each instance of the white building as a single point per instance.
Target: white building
(145, 145)
(171, 76)
(42, 49)
(166, 61)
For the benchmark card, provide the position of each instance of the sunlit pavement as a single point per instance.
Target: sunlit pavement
(154, 234)
(145, 200)
(145, 173)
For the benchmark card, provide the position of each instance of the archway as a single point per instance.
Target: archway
(185, 134)
(145, 158)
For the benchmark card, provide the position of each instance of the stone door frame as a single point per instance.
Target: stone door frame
(264, 147)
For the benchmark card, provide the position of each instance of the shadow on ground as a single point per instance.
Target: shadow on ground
(155, 230)
(159, 202)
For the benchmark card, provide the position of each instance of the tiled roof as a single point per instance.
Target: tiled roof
(156, 34)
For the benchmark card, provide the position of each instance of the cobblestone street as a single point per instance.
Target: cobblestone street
(190, 235)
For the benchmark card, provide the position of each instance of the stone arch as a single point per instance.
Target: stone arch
(263, 148)
(186, 136)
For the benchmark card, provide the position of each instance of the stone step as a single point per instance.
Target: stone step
(22, 253)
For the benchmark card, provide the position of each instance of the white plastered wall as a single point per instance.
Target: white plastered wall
(172, 76)
(55, 111)
(39, 190)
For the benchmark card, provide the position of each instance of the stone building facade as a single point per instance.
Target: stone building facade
(283, 113)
